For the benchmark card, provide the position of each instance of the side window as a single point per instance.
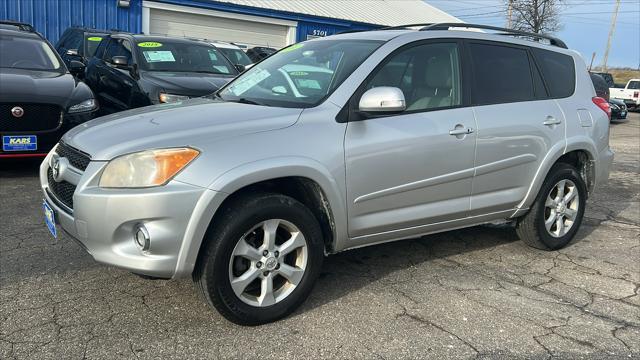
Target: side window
(74, 41)
(428, 75)
(558, 71)
(634, 85)
(100, 51)
(118, 47)
(501, 74)
(62, 42)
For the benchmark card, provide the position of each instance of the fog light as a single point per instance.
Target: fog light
(141, 237)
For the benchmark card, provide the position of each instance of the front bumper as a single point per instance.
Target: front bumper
(103, 222)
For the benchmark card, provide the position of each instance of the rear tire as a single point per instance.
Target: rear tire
(260, 258)
(557, 212)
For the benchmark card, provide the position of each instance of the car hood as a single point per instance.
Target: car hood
(19, 85)
(194, 123)
(184, 83)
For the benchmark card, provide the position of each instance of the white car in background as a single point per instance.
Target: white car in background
(630, 94)
(234, 53)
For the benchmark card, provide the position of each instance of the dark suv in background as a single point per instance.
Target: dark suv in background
(39, 98)
(130, 71)
(77, 43)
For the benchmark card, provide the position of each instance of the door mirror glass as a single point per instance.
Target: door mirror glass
(72, 52)
(382, 100)
(241, 68)
(120, 61)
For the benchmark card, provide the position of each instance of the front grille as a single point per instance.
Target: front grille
(77, 158)
(36, 117)
(62, 191)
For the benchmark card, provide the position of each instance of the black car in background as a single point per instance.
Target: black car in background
(130, 71)
(619, 109)
(77, 43)
(260, 53)
(39, 98)
(607, 77)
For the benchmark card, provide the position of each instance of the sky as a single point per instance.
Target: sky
(585, 23)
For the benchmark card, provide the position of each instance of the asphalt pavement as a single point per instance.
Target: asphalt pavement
(473, 293)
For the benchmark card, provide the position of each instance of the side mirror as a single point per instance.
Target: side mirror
(76, 67)
(382, 100)
(72, 52)
(120, 62)
(241, 68)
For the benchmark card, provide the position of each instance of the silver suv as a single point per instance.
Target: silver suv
(333, 144)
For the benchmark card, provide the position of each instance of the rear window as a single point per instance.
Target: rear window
(558, 71)
(500, 74)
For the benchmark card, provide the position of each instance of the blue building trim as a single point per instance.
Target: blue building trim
(52, 17)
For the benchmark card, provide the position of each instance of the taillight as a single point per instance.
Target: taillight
(636, 93)
(602, 104)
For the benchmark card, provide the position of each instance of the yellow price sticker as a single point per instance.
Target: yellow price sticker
(95, 38)
(150, 44)
(292, 47)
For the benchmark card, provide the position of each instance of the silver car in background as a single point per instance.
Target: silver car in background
(333, 144)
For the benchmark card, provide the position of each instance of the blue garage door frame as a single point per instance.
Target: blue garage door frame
(53, 17)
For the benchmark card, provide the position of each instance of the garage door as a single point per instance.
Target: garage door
(166, 22)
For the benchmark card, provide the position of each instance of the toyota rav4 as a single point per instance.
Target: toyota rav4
(333, 144)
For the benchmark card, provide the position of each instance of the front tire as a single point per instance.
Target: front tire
(260, 259)
(557, 212)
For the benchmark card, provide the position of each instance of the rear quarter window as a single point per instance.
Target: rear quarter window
(501, 74)
(558, 71)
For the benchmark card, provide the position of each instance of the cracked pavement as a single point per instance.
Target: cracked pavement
(472, 293)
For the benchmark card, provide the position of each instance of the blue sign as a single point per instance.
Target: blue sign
(20, 143)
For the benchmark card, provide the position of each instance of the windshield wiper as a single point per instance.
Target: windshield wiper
(246, 101)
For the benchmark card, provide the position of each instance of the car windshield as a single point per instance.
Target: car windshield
(299, 76)
(182, 57)
(28, 53)
(236, 56)
(91, 43)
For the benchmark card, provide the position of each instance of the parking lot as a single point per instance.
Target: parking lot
(468, 293)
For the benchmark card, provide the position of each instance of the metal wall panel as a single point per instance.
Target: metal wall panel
(53, 17)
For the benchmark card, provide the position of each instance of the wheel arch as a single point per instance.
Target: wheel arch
(579, 152)
(301, 178)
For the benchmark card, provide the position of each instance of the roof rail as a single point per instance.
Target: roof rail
(400, 27)
(508, 32)
(20, 25)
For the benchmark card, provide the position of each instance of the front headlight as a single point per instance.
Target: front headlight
(146, 168)
(86, 105)
(170, 98)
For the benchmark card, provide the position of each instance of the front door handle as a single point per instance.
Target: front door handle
(551, 121)
(461, 131)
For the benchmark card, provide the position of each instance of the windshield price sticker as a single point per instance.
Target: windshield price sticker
(95, 38)
(158, 56)
(149, 44)
(248, 81)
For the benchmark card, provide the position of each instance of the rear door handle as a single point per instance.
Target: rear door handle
(551, 121)
(461, 131)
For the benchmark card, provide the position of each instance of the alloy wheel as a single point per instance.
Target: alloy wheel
(561, 208)
(268, 262)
